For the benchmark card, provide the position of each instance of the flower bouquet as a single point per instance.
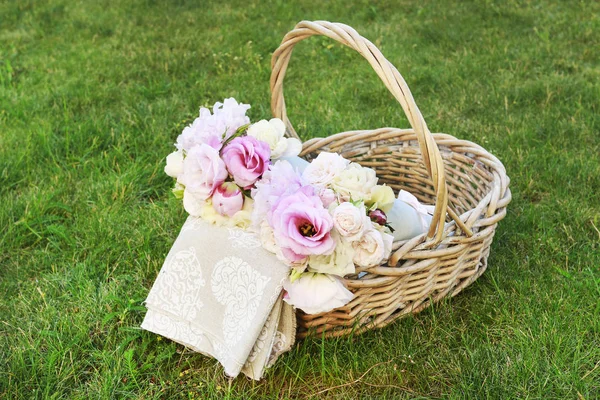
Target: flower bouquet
(310, 224)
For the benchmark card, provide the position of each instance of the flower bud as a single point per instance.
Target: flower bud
(228, 199)
(378, 217)
(327, 196)
(174, 166)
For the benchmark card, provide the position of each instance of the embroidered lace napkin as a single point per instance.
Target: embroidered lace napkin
(219, 293)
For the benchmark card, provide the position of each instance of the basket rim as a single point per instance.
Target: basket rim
(494, 203)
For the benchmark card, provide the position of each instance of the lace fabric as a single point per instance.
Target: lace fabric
(219, 293)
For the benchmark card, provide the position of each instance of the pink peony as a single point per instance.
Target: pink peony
(203, 171)
(228, 199)
(247, 159)
(281, 179)
(302, 226)
(212, 129)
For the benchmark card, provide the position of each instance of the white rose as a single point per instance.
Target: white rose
(340, 262)
(273, 133)
(267, 238)
(372, 248)
(350, 221)
(323, 169)
(193, 204)
(316, 293)
(355, 182)
(174, 166)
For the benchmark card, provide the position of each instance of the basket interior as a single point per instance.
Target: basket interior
(423, 275)
(398, 164)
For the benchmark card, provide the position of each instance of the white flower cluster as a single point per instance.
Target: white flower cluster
(322, 219)
(349, 192)
(355, 187)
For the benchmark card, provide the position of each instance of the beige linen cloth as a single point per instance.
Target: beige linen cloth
(219, 293)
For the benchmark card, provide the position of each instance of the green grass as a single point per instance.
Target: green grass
(92, 95)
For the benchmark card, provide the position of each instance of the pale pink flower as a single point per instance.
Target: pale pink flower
(227, 199)
(302, 226)
(203, 171)
(247, 159)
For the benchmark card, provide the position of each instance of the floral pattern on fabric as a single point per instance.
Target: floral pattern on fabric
(239, 288)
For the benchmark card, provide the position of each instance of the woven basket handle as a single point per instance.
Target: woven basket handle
(396, 85)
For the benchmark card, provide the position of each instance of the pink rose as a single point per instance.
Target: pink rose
(203, 171)
(247, 159)
(302, 226)
(228, 199)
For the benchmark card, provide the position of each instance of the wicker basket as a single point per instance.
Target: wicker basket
(467, 184)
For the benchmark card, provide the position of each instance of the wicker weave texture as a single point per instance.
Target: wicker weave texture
(467, 184)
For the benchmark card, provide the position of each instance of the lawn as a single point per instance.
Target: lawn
(94, 93)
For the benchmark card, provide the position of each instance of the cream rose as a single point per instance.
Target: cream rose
(340, 262)
(351, 221)
(267, 238)
(174, 166)
(355, 182)
(372, 248)
(323, 169)
(273, 133)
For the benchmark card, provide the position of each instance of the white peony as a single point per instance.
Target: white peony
(372, 248)
(316, 293)
(340, 262)
(174, 166)
(351, 221)
(355, 182)
(273, 133)
(323, 169)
